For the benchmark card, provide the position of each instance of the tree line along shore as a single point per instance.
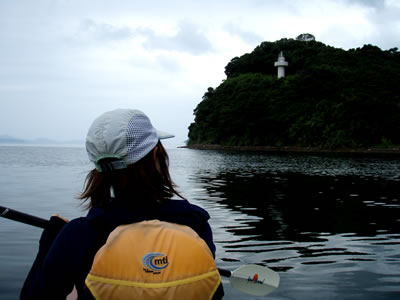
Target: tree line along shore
(330, 100)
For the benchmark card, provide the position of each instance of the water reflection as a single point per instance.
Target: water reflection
(295, 206)
(323, 222)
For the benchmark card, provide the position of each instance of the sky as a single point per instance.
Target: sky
(65, 62)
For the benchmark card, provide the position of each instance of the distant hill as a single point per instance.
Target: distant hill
(329, 98)
(5, 139)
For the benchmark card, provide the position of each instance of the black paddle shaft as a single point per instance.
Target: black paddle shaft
(224, 272)
(22, 217)
(42, 223)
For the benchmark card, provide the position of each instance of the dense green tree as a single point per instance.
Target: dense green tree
(329, 98)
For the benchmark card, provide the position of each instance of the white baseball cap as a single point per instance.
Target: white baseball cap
(126, 135)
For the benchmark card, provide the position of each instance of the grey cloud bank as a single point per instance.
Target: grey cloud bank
(64, 62)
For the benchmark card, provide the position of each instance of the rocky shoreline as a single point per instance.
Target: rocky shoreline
(286, 149)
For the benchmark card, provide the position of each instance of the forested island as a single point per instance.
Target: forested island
(330, 98)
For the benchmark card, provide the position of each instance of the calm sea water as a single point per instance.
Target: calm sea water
(329, 225)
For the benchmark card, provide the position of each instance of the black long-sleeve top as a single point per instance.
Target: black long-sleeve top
(67, 250)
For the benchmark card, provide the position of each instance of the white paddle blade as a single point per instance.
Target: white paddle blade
(255, 280)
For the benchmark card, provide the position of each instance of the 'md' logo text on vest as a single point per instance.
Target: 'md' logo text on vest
(155, 262)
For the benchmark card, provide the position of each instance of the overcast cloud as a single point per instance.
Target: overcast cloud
(62, 63)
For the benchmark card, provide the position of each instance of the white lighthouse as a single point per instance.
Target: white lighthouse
(281, 64)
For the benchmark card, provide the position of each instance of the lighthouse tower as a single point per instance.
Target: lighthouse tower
(281, 64)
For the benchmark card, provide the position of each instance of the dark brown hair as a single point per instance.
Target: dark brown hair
(146, 182)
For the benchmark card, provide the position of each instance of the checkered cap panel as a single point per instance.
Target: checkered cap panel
(141, 138)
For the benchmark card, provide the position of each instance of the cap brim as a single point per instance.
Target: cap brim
(162, 135)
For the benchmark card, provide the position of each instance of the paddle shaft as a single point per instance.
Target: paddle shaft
(22, 217)
(42, 223)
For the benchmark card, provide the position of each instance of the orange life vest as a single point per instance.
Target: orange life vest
(153, 260)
